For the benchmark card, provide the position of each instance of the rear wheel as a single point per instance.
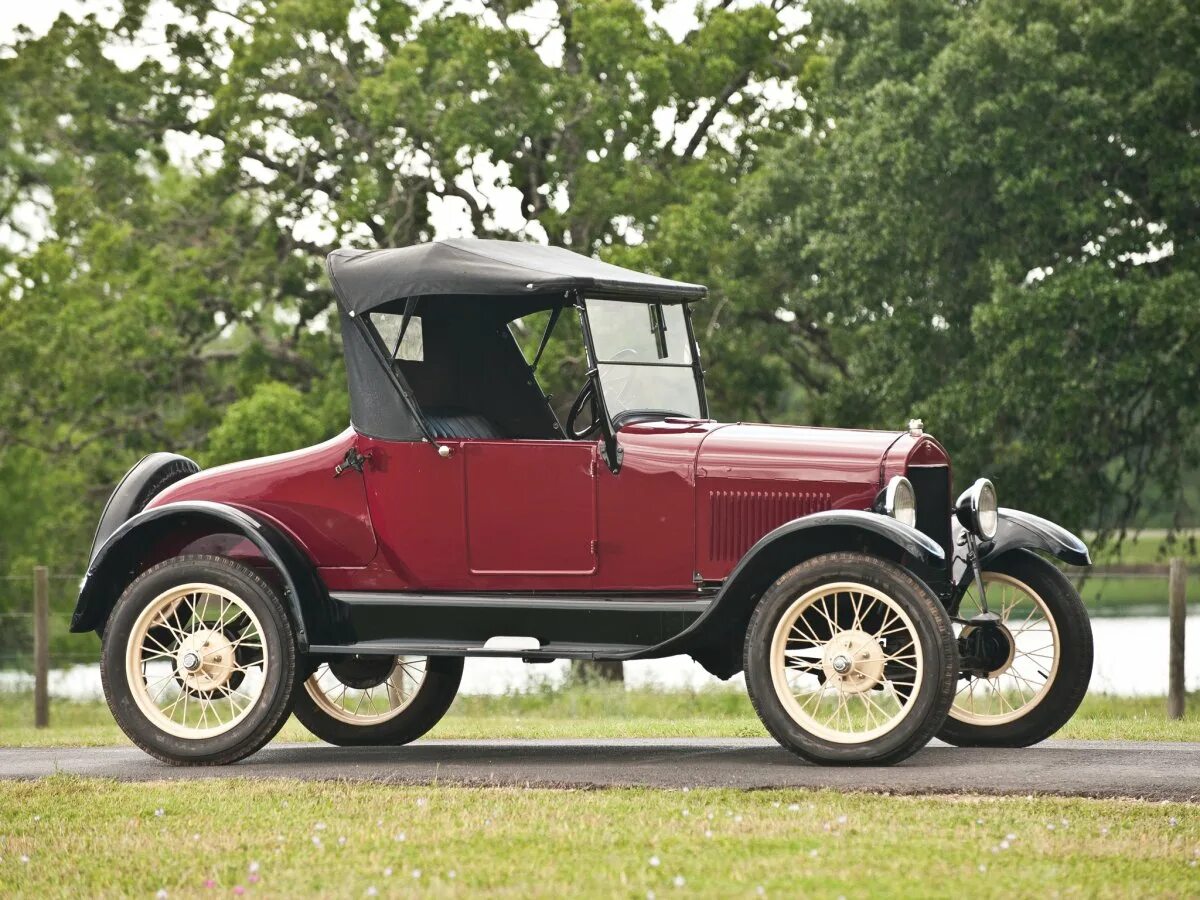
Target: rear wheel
(1033, 668)
(370, 700)
(199, 661)
(850, 659)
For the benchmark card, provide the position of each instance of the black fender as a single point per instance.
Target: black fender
(149, 476)
(1022, 530)
(776, 552)
(119, 560)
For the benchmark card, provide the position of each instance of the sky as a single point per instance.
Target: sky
(39, 16)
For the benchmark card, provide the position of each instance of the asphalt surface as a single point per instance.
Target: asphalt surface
(1159, 771)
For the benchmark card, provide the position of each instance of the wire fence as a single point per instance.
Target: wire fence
(1140, 590)
(72, 660)
(17, 625)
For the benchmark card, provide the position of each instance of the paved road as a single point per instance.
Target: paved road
(1080, 768)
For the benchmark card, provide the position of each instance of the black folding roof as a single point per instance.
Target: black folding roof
(367, 279)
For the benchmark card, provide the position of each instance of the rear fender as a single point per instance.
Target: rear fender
(150, 475)
(123, 556)
(708, 639)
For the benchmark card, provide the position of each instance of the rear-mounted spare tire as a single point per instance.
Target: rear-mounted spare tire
(146, 480)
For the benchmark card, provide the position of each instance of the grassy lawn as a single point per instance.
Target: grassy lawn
(1131, 595)
(596, 712)
(1146, 548)
(83, 837)
(1125, 595)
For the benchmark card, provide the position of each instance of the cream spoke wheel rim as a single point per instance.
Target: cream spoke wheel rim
(1014, 688)
(846, 662)
(368, 704)
(196, 661)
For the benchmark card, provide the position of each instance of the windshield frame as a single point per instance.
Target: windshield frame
(612, 452)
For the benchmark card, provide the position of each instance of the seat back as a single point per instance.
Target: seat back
(454, 423)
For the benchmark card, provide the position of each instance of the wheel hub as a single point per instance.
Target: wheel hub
(205, 660)
(363, 672)
(991, 647)
(853, 661)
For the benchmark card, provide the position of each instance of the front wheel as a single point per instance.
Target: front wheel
(850, 660)
(377, 700)
(199, 661)
(1031, 671)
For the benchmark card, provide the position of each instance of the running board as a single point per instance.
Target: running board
(549, 626)
(545, 653)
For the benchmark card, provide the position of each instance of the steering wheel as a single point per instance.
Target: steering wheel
(586, 398)
(620, 379)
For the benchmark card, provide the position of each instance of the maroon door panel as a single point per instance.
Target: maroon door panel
(530, 507)
(647, 510)
(416, 500)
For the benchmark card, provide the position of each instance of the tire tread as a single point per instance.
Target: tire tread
(278, 712)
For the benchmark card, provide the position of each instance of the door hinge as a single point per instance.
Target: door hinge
(353, 460)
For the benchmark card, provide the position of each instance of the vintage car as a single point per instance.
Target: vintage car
(458, 516)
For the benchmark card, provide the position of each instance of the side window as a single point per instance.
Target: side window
(562, 369)
(412, 347)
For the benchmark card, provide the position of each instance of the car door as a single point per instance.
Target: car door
(530, 508)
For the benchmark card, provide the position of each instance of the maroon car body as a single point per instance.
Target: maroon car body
(497, 515)
(458, 516)
(539, 536)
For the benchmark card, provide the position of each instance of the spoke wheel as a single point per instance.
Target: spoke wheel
(1020, 679)
(844, 659)
(361, 698)
(199, 661)
(1031, 673)
(377, 700)
(850, 660)
(196, 661)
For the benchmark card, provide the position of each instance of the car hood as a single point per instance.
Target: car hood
(797, 454)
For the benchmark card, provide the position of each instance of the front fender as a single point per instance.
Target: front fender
(788, 545)
(1022, 530)
(120, 557)
(904, 537)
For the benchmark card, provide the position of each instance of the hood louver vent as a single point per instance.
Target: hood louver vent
(739, 518)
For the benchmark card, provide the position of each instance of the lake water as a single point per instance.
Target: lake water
(1131, 660)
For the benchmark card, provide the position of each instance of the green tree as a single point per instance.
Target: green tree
(995, 228)
(141, 298)
(150, 302)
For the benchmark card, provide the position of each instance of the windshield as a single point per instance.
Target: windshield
(644, 356)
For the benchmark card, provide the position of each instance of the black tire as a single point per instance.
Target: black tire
(1069, 684)
(433, 698)
(268, 712)
(932, 693)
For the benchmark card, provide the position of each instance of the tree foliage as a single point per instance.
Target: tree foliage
(994, 227)
(153, 298)
(981, 213)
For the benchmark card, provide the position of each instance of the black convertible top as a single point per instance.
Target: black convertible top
(367, 279)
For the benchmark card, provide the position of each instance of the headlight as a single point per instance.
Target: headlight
(976, 509)
(900, 501)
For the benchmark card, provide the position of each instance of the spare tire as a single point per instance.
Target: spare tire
(149, 477)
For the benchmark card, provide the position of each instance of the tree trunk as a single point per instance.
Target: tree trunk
(585, 670)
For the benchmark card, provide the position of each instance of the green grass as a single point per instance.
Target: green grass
(1147, 548)
(66, 836)
(596, 711)
(1130, 595)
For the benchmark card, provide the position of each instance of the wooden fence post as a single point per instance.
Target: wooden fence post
(41, 647)
(1178, 612)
